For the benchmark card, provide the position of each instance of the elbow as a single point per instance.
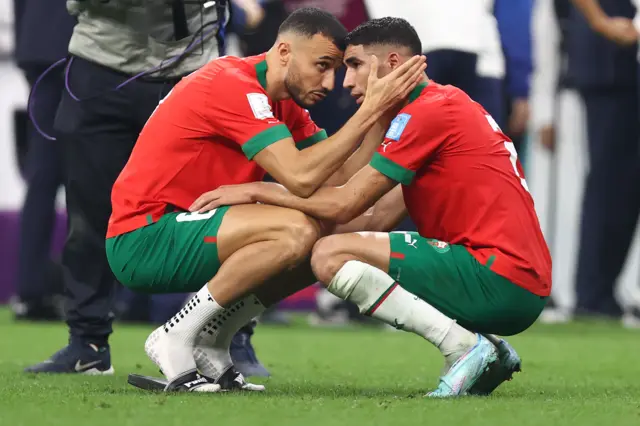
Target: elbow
(301, 186)
(301, 189)
(344, 214)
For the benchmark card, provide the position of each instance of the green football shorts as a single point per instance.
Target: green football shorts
(450, 279)
(176, 254)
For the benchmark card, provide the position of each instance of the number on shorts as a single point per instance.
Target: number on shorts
(513, 154)
(190, 217)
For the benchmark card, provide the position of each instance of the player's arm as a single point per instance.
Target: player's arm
(337, 204)
(304, 171)
(617, 29)
(384, 216)
(361, 156)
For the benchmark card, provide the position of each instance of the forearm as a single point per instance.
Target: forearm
(360, 157)
(319, 162)
(384, 216)
(324, 204)
(592, 12)
(327, 203)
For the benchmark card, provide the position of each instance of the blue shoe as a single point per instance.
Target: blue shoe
(508, 363)
(466, 371)
(244, 356)
(77, 357)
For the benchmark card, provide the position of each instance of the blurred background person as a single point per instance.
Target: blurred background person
(42, 33)
(603, 66)
(586, 153)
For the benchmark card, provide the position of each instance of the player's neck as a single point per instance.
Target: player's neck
(275, 89)
(424, 82)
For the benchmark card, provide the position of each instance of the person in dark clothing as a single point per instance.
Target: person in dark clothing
(42, 33)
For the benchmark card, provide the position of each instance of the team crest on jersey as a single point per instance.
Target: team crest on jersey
(260, 105)
(439, 246)
(397, 126)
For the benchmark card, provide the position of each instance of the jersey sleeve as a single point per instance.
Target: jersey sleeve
(243, 114)
(412, 139)
(305, 131)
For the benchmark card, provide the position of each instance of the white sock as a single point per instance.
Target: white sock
(214, 339)
(191, 319)
(378, 295)
(170, 346)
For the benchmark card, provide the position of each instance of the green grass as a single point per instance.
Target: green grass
(578, 374)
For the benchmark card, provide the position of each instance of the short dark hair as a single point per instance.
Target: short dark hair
(309, 21)
(392, 31)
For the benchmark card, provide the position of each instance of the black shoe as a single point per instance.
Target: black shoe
(232, 380)
(190, 382)
(77, 357)
(244, 356)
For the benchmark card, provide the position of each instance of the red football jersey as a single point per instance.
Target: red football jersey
(204, 135)
(463, 184)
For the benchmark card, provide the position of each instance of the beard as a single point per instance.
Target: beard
(293, 84)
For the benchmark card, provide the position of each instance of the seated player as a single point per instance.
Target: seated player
(228, 123)
(478, 263)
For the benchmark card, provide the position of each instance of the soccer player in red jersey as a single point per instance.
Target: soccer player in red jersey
(478, 263)
(228, 123)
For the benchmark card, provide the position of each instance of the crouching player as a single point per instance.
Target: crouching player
(478, 263)
(228, 123)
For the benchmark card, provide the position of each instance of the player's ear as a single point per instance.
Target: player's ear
(393, 59)
(284, 52)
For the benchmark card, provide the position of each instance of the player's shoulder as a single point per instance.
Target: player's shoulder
(230, 73)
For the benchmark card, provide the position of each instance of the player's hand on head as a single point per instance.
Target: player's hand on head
(224, 196)
(386, 92)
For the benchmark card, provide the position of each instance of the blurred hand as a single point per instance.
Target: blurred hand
(548, 138)
(253, 10)
(519, 117)
(617, 29)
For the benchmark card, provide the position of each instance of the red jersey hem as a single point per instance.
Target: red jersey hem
(532, 282)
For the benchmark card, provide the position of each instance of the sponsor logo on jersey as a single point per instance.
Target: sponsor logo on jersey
(397, 126)
(260, 105)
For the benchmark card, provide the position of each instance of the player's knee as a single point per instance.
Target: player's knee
(326, 258)
(300, 236)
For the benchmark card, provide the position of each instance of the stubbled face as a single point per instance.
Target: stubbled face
(358, 61)
(311, 69)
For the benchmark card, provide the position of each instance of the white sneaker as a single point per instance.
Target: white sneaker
(555, 316)
(631, 319)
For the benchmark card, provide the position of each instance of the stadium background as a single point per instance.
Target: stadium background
(555, 179)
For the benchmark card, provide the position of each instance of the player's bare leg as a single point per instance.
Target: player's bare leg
(354, 267)
(255, 243)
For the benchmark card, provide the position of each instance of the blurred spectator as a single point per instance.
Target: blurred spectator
(451, 33)
(602, 64)
(514, 24)
(557, 154)
(42, 32)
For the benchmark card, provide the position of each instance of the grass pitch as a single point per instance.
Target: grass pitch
(578, 374)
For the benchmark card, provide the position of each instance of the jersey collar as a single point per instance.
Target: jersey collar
(261, 72)
(417, 91)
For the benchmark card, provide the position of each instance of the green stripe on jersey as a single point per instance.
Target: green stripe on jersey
(265, 138)
(392, 170)
(311, 140)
